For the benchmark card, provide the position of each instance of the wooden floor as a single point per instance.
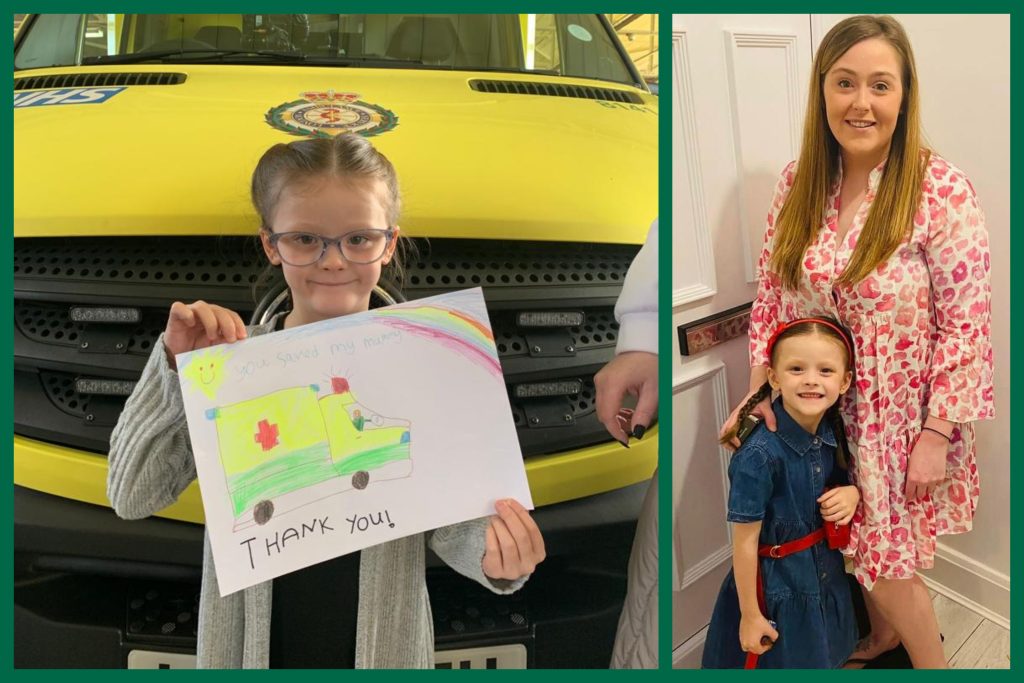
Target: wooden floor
(972, 642)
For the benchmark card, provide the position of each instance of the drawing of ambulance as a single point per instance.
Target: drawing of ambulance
(293, 446)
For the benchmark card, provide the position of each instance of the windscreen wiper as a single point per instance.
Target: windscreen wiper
(376, 60)
(192, 53)
(200, 54)
(510, 70)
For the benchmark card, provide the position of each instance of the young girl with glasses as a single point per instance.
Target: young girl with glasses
(329, 210)
(787, 602)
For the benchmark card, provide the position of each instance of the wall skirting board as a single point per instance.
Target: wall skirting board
(977, 587)
(688, 655)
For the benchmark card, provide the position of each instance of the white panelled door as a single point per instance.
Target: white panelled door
(739, 88)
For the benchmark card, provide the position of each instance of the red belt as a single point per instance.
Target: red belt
(776, 552)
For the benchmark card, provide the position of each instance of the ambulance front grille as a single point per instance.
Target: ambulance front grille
(52, 352)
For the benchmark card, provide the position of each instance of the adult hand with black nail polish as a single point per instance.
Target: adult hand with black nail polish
(634, 373)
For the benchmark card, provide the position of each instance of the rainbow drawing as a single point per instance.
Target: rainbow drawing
(456, 320)
(451, 328)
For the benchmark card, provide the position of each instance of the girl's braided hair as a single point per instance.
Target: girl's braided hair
(825, 326)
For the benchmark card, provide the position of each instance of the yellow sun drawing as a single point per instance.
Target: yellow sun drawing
(205, 370)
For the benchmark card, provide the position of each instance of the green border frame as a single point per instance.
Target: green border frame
(666, 343)
(666, 349)
(7, 301)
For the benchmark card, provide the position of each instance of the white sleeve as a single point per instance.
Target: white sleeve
(637, 307)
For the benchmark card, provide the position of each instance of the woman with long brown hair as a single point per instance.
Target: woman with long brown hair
(874, 229)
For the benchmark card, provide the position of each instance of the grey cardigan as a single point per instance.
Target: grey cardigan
(151, 463)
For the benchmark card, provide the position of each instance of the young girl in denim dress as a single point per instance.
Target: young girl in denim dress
(787, 602)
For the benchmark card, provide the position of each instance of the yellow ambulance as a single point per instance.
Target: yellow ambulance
(527, 150)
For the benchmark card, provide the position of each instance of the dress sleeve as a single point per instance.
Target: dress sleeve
(765, 311)
(637, 307)
(462, 546)
(150, 461)
(751, 483)
(957, 255)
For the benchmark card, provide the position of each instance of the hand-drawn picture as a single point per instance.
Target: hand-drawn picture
(298, 438)
(323, 439)
(205, 371)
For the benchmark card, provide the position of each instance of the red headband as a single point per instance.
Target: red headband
(821, 321)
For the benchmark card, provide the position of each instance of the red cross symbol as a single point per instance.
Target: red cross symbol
(267, 435)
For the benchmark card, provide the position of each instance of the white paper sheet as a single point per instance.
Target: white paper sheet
(328, 438)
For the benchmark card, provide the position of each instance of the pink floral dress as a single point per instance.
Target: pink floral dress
(921, 325)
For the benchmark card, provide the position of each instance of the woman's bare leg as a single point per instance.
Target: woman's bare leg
(883, 636)
(907, 607)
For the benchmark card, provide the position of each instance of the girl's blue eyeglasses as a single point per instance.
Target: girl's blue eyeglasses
(306, 248)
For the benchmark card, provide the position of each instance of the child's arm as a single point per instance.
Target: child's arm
(753, 624)
(839, 504)
(150, 460)
(497, 552)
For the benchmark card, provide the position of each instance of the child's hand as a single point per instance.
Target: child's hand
(753, 628)
(839, 504)
(514, 544)
(198, 325)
